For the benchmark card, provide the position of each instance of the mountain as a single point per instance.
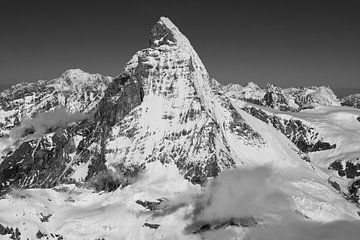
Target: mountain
(75, 90)
(288, 99)
(163, 151)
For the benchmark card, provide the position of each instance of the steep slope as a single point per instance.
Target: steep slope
(138, 167)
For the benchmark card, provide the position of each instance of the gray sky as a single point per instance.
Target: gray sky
(288, 43)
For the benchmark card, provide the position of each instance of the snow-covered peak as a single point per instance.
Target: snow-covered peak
(75, 90)
(75, 74)
(165, 33)
(252, 85)
(310, 97)
(78, 80)
(170, 54)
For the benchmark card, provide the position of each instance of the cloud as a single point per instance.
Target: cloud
(36, 127)
(297, 229)
(45, 122)
(241, 193)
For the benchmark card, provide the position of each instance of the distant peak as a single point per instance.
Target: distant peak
(77, 77)
(252, 85)
(74, 73)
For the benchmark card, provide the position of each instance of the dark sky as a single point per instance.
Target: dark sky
(288, 43)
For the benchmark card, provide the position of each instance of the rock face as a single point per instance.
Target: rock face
(350, 171)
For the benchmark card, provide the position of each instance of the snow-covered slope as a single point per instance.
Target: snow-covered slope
(167, 154)
(329, 133)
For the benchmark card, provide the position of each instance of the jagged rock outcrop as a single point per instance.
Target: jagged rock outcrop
(347, 168)
(10, 232)
(351, 101)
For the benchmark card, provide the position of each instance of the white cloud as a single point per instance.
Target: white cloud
(257, 193)
(242, 193)
(297, 229)
(45, 122)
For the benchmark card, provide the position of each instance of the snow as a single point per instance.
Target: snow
(77, 213)
(82, 214)
(80, 171)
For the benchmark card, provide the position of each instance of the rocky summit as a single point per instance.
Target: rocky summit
(163, 151)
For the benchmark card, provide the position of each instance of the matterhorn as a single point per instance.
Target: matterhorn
(164, 151)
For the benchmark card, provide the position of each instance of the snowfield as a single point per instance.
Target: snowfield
(78, 213)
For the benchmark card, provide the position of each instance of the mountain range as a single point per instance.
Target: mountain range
(164, 151)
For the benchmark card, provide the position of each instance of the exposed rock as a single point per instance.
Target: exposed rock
(41, 235)
(152, 206)
(152, 225)
(335, 185)
(354, 191)
(14, 233)
(351, 101)
(45, 218)
(38, 163)
(350, 170)
(245, 222)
